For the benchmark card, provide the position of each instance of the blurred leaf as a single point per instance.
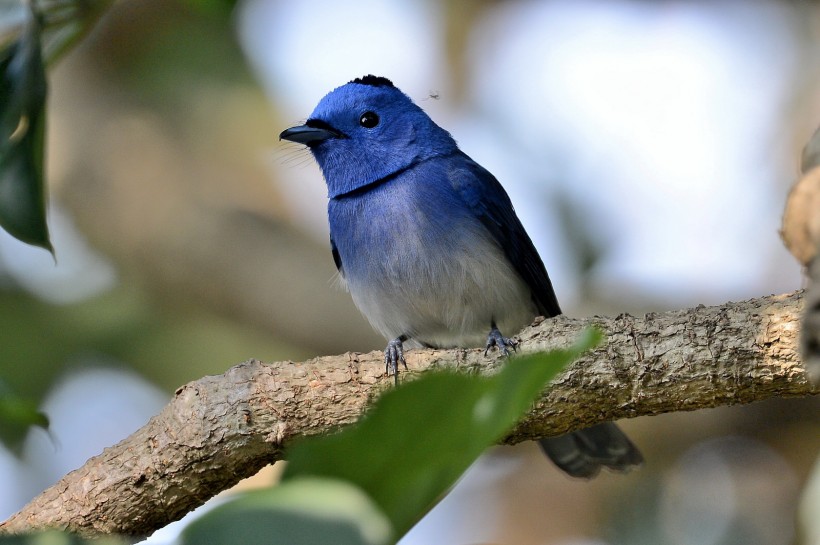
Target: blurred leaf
(304, 510)
(419, 438)
(22, 108)
(56, 538)
(22, 128)
(589, 247)
(62, 22)
(391, 467)
(17, 415)
(219, 8)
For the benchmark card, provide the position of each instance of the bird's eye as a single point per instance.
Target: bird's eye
(369, 120)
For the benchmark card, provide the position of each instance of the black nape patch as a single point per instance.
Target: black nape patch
(375, 81)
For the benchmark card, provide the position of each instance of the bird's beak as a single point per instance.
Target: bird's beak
(311, 133)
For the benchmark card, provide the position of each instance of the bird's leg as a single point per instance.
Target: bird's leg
(495, 338)
(393, 354)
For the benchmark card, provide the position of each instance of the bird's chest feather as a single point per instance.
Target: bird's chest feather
(418, 262)
(405, 235)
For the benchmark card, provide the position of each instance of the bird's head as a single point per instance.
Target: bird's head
(368, 130)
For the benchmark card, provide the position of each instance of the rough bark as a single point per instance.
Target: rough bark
(801, 234)
(220, 429)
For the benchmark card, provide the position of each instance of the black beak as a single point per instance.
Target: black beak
(311, 133)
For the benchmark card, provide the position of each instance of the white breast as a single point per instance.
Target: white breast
(443, 295)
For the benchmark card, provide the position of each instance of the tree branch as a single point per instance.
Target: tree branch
(220, 429)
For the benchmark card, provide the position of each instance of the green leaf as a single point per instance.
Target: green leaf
(22, 130)
(419, 438)
(217, 8)
(64, 24)
(57, 538)
(368, 484)
(304, 510)
(17, 415)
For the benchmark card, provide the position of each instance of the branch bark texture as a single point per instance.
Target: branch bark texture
(220, 429)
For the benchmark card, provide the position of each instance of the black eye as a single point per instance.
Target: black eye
(369, 120)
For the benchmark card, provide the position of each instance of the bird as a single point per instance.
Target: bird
(429, 246)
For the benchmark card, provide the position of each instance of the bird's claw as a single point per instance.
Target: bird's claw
(496, 339)
(393, 355)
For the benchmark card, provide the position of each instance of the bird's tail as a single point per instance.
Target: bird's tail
(584, 452)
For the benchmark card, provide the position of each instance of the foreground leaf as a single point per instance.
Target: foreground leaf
(419, 438)
(57, 538)
(22, 130)
(17, 415)
(368, 484)
(304, 510)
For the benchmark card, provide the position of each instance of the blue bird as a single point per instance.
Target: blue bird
(428, 244)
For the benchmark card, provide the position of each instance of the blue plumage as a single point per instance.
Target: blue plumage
(428, 244)
(421, 264)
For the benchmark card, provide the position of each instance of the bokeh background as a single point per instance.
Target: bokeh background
(648, 148)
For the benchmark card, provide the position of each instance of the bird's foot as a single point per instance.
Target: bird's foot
(496, 339)
(393, 354)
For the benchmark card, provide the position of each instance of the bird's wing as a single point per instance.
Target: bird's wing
(487, 199)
